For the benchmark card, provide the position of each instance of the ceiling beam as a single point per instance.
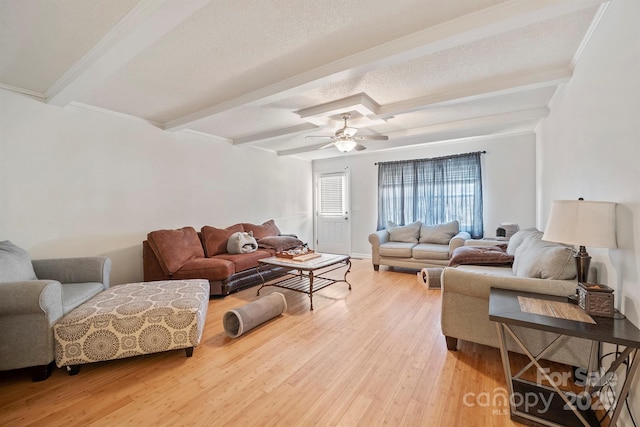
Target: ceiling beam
(498, 19)
(475, 123)
(147, 22)
(449, 130)
(487, 88)
(275, 133)
(492, 87)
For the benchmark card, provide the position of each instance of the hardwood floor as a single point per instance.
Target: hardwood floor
(370, 356)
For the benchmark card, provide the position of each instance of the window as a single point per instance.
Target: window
(433, 191)
(331, 193)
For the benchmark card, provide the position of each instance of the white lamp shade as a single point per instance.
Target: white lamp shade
(582, 223)
(345, 145)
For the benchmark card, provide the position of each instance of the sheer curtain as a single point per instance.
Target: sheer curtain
(433, 191)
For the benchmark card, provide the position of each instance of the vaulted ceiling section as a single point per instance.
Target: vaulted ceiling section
(266, 74)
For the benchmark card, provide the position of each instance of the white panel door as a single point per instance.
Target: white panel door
(333, 224)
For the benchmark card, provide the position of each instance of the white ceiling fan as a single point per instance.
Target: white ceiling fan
(345, 138)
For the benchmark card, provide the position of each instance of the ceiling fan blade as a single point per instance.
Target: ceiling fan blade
(329, 145)
(359, 147)
(319, 136)
(372, 138)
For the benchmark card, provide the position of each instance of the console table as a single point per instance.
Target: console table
(307, 276)
(509, 308)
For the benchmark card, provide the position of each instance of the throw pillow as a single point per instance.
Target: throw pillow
(519, 237)
(440, 233)
(481, 255)
(215, 239)
(267, 229)
(174, 248)
(545, 260)
(279, 243)
(404, 233)
(15, 264)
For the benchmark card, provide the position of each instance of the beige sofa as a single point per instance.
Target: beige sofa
(416, 245)
(465, 296)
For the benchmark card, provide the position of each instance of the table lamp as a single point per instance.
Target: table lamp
(582, 223)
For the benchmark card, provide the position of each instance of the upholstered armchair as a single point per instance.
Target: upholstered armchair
(33, 296)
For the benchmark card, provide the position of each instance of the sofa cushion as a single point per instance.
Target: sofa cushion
(267, 229)
(481, 255)
(215, 239)
(15, 263)
(396, 249)
(246, 261)
(440, 233)
(279, 243)
(539, 259)
(404, 233)
(174, 248)
(206, 268)
(430, 251)
(518, 237)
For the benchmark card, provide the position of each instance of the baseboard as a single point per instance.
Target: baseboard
(361, 256)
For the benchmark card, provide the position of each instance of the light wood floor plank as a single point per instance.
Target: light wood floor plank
(370, 356)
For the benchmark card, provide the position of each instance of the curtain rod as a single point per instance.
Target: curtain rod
(432, 158)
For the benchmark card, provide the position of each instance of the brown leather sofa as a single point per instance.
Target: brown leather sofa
(187, 254)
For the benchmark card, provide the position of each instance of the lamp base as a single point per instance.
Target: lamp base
(582, 265)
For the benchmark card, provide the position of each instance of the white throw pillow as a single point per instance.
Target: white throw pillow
(519, 237)
(545, 260)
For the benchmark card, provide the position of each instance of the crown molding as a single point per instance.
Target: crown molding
(113, 113)
(30, 93)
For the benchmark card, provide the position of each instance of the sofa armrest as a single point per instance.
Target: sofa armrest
(376, 239)
(379, 237)
(458, 240)
(74, 270)
(478, 285)
(32, 296)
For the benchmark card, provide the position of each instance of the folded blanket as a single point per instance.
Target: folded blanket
(481, 255)
(241, 243)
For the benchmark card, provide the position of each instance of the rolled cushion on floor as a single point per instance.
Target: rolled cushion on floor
(242, 319)
(430, 277)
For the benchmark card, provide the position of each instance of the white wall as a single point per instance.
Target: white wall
(589, 147)
(75, 182)
(508, 172)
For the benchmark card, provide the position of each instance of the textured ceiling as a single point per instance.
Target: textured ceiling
(419, 71)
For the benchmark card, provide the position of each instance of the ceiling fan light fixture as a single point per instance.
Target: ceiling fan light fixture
(345, 145)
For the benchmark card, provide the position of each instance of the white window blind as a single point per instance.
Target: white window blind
(331, 193)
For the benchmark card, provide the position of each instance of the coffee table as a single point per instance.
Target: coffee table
(307, 276)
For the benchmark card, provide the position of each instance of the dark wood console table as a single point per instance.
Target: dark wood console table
(509, 308)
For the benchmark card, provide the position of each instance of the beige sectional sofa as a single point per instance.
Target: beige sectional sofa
(416, 245)
(538, 266)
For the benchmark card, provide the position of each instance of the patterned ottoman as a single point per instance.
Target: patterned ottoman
(133, 319)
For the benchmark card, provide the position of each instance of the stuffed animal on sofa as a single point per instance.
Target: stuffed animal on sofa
(241, 243)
